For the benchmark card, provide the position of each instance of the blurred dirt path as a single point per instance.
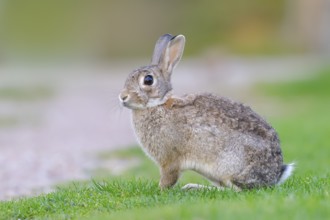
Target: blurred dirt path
(59, 139)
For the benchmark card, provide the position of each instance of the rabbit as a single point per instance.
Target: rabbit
(223, 140)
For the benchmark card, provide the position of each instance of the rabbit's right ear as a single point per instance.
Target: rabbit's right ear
(172, 55)
(160, 47)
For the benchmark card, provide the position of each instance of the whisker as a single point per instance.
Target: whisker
(115, 109)
(114, 104)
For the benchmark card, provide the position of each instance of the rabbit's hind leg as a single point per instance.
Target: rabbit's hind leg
(230, 185)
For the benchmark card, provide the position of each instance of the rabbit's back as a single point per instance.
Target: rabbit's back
(234, 115)
(217, 115)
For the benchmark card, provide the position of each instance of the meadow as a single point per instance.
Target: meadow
(303, 125)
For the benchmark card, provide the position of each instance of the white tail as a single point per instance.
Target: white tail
(287, 172)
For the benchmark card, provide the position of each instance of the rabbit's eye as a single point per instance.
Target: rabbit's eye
(148, 80)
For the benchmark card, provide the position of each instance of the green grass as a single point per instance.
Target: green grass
(303, 129)
(300, 198)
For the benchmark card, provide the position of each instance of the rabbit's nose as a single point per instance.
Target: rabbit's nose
(123, 97)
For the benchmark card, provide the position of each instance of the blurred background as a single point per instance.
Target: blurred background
(107, 29)
(63, 63)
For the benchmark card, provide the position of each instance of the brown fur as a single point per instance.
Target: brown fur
(223, 140)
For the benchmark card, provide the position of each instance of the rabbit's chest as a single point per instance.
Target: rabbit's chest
(156, 131)
(150, 122)
(154, 124)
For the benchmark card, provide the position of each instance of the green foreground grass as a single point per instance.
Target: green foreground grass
(300, 198)
(303, 129)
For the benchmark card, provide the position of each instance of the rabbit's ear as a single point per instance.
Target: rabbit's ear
(172, 54)
(160, 48)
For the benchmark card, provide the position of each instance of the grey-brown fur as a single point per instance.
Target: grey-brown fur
(223, 140)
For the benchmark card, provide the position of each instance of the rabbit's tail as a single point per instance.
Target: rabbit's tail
(286, 171)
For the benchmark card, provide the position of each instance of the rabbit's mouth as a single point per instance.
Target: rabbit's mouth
(127, 102)
(131, 101)
(133, 106)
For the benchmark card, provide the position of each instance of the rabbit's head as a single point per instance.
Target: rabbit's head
(150, 86)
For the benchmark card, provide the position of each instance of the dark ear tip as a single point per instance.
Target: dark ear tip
(178, 36)
(170, 36)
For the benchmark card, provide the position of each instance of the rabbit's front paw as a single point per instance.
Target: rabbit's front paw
(190, 186)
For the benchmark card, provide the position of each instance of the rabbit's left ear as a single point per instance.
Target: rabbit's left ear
(160, 47)
(172, 54)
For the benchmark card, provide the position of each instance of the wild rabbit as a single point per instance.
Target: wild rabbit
(223, 140)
